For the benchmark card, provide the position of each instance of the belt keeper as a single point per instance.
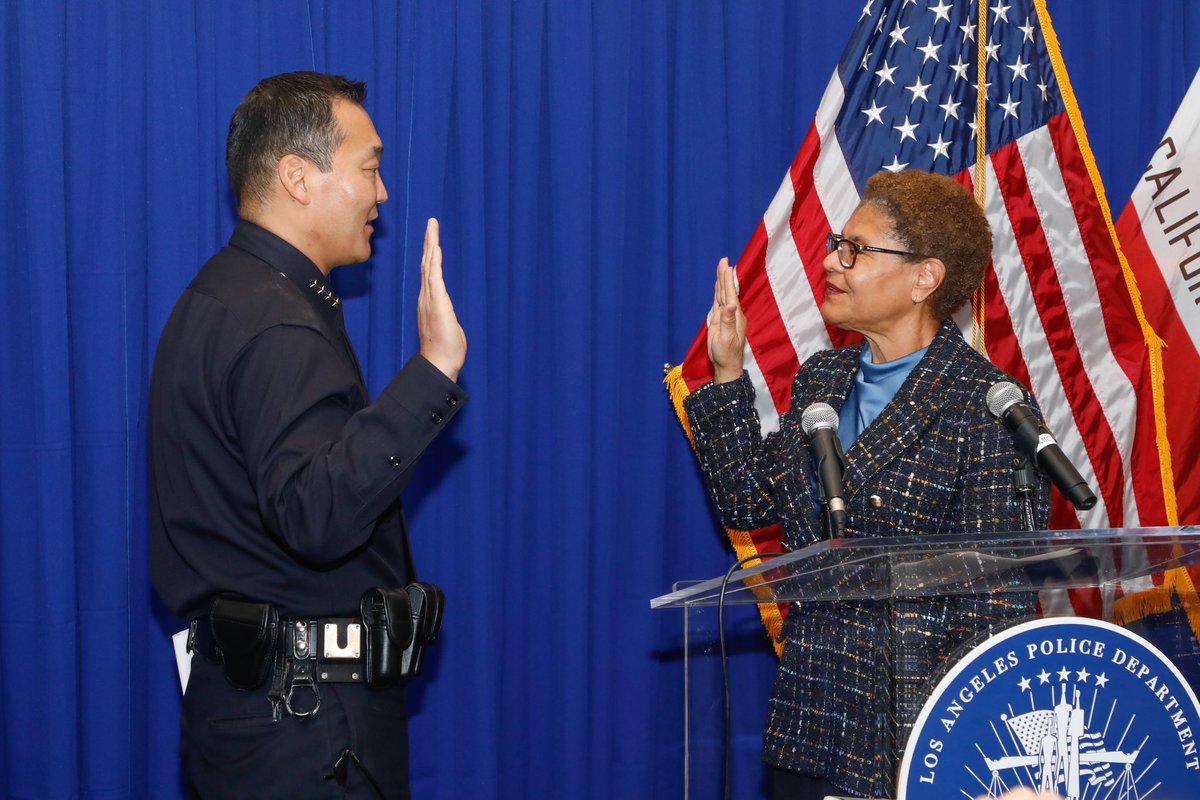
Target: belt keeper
(302, 639)
(279, 675)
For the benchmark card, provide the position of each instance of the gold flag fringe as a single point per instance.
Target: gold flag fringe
(1159, 600)
(678, 390)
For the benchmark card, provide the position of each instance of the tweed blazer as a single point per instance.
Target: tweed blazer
(935, 461)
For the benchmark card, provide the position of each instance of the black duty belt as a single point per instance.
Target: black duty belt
(307, 652)
(336, 644)
(382, 647)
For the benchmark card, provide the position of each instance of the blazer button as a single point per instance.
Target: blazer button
(451, 400)
(876, 501)
(436, 418)
(395, 462)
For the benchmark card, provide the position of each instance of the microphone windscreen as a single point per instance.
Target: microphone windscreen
(1003, 395)
(818, 416)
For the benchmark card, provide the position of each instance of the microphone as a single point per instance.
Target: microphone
(1006, 401)
(820, 422)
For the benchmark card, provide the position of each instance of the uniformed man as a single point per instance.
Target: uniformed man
(275, 481)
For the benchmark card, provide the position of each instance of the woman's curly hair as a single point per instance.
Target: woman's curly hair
(935, 217)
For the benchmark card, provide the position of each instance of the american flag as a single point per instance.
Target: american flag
(1056, 311)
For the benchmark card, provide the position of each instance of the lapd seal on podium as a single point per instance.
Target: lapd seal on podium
(1068, 705)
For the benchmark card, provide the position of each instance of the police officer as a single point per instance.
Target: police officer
(274, 481)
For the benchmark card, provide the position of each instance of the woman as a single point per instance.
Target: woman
(923, 456)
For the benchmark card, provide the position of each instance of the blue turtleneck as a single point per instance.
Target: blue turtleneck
(874, 387)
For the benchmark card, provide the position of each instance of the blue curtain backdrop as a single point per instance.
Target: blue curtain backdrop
(590, 162)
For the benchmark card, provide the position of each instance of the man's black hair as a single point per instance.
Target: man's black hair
(286, 114)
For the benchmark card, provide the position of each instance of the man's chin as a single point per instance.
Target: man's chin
(357, 258)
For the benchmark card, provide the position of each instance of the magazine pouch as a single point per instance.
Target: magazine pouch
(388, 620)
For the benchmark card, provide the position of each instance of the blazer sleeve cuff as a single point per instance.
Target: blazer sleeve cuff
(714, 400)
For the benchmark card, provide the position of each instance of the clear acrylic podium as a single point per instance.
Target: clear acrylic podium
(886, 569)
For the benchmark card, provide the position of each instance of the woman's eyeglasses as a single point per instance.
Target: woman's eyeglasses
(848, 250)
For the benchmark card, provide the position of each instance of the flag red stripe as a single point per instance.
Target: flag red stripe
(810, 223)
(1000, 340)
(696, 369)
(765, 332)
(1120, 320)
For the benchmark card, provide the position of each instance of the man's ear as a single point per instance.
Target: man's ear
(293, 172)
(930, 274)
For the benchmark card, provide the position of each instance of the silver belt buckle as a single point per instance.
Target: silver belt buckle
(339, 649)
(342, 640)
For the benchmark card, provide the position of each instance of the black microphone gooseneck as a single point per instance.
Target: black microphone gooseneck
(1006, 401)
(1025, 481)
(820, 423)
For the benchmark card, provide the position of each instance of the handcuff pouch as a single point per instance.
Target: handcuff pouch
(246, 635)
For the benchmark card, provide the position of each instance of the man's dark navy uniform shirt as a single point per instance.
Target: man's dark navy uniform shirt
(272, 476)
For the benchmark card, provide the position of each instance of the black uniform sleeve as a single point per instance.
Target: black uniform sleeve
(324, 467)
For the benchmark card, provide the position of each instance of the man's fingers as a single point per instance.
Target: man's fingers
(432, 237)
(431, 260)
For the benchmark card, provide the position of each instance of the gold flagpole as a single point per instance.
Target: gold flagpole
(977, 302)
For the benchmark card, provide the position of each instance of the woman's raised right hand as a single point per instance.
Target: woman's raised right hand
(726, 327)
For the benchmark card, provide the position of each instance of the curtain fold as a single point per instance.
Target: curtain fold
(590, 162)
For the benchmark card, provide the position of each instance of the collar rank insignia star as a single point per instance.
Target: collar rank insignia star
(325, 293)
